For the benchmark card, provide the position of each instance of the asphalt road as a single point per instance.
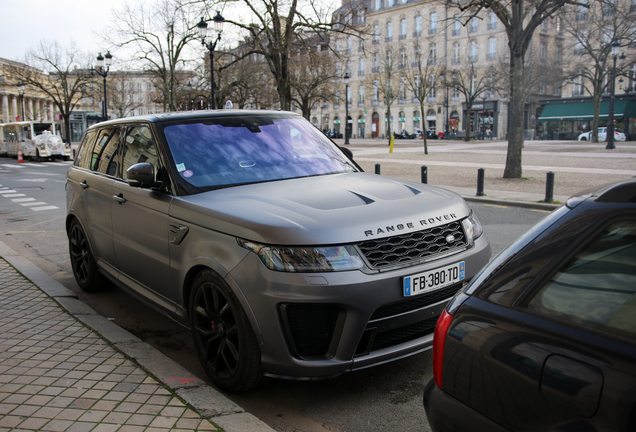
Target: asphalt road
(32, 214)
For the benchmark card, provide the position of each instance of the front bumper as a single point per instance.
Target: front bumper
(319, 325)
(447, 414)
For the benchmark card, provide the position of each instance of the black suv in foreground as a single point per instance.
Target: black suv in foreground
(544, 338)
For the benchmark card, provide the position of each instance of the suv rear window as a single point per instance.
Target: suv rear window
(597, 287)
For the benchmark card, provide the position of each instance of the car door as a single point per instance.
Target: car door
(91, 179)
(140, 223)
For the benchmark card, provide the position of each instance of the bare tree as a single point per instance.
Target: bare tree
(385, 80)
(67, 71)
(593, 30)
(520, 19)
(159, 32)
(421, 75)
(123, 99)
(312, 78)
(472, 81)
(281, 28)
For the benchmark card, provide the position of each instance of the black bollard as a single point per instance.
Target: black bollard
(549, 187)
(377, 168)
(424, 174)
(480, 181)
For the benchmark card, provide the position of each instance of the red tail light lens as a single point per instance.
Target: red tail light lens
(439, 340)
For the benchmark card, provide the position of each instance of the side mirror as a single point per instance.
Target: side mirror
(347, 152)
(142, 175)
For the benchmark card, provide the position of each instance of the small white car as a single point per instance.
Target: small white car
(602, 135)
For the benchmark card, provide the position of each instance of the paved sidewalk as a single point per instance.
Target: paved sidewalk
(57, 372)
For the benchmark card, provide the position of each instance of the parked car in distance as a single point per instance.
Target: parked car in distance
(544, 338)
(602, 135)
(267, 240)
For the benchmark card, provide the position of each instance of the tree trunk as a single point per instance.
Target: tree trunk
(515, 117)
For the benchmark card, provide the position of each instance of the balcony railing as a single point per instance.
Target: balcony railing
(402, 36)
(388, 39)
(432, 30)
(417, 33)
(491, 56)
(456, 32)
(375, 69)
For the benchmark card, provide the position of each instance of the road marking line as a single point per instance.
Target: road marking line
(12, 166)
(19, 200)
(33, 203)
(13, 195)
(492, 205)
(44, 208)
(541, 211)
(9, 191)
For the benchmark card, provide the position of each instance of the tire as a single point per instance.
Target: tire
(583, 139)
(223, 337)
(37, 157)
(85, 268)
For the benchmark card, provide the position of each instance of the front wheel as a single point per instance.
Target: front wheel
(223, 337)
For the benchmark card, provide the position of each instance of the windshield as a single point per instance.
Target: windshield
(223, 151)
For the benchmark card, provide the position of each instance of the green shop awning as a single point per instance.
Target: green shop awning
(575, 111)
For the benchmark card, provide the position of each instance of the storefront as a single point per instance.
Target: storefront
(567, 118)
(483, 119)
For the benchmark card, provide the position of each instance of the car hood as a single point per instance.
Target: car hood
(332, 209)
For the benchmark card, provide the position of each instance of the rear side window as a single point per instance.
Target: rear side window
(103, 155)
(597, 287)
(83, 158)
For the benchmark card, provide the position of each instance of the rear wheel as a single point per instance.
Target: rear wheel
(83, 262)
(223, 337)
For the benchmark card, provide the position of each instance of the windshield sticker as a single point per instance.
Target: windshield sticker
(187, 173)
(180, 167)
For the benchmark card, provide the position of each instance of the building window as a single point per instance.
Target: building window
(417, 52)
(541, 88)
(376, 91)
(378, 4)
(389, 31)
(403, 28)
(432, 53)
(492, 48)
(376, 62)
(348, 45)
(543, 49)
(492, 21)
(361, 16)
(376, 33)
(473, 51)
(474, 25)
(577, 89)
(433, 23)
(402, 58)
(361, 66)
(361, 96)
(455, 58)
(418, 26)
(457, 25)
(432, 93)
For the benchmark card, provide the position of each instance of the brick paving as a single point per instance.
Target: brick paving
(58, 375)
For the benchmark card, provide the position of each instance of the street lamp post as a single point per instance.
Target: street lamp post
(483, 116)
(346, 131)
(103, 66)
(21, 90)
(203, 31)
(616, 46)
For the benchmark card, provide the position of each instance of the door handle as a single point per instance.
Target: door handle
(84, 185)
(119, 198)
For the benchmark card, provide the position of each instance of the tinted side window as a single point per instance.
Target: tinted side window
(597, 287)
(139, 147)
(103, 155)
(83, 157)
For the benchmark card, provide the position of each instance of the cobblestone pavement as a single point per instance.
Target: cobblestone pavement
(58, 375)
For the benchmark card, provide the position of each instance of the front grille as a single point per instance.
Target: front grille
(413, 247)
(404, 334)
(309, 328)
(416, 302)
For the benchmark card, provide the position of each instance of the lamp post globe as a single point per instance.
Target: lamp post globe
(103, 66)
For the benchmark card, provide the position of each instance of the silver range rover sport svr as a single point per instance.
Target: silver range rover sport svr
(268, 241)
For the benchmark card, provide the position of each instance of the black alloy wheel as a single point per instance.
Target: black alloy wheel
(83, 262)
(223, 337)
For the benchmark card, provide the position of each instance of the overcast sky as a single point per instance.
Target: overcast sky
(26, 22)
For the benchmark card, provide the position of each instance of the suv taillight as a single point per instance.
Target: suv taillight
(439, 340)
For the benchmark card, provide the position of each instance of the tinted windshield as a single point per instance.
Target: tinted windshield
(225, 151)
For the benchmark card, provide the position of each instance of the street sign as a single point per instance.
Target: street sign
(228, 104)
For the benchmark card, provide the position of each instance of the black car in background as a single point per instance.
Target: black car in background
(544, 338)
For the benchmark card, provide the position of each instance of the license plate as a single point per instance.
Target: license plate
(434, 279)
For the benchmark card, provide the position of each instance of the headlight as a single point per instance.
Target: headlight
(41, 146)
(472, 228)
(306, 259)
